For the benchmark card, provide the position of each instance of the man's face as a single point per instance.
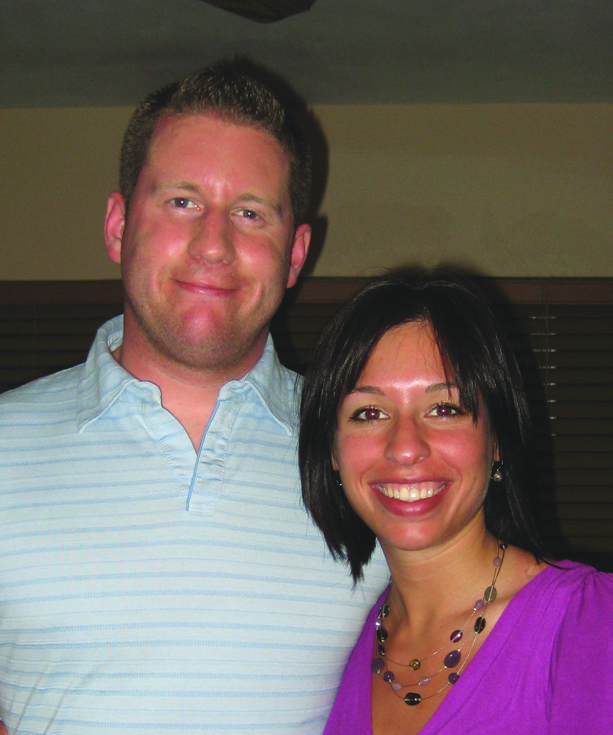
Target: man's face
(208, 246)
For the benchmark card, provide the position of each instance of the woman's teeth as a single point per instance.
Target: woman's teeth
(411, 493)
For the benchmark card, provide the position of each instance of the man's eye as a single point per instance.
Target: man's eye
(368, 414)
(247, 213)
(183, 203)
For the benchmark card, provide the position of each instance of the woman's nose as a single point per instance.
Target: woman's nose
(407, 442)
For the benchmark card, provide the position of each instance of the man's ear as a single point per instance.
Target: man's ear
(300, 250)
(114, 225)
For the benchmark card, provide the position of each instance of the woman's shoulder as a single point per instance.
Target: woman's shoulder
(553, 592)
(581, 678)
(573, 577)
(589, 592)
(568, 594)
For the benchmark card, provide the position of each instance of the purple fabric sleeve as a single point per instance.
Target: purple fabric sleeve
(582, 665)
(545, 668)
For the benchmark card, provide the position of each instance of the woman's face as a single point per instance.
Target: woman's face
(413, 463)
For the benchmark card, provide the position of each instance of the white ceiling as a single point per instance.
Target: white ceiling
(58, 53)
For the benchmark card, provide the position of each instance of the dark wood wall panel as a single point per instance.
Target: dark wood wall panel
(562, 330)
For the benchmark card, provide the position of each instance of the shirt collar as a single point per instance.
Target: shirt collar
(104, 381)
(277, 388)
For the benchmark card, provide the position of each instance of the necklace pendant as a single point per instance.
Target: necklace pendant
(414, 664)
(412, 698)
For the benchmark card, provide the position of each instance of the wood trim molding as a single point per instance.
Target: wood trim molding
(313, 289)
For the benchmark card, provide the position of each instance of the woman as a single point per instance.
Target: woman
(415, 432)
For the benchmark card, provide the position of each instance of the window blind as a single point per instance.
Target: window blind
(562, 331)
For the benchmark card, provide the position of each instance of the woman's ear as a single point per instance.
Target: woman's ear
(334, 461)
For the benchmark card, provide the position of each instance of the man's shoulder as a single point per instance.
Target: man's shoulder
(45, 395)
(53, 392)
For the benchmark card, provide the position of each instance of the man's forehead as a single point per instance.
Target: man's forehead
(175, 141)
(176, 121)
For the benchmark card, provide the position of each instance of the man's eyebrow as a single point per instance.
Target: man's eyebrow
(184, 185)
(266, 201)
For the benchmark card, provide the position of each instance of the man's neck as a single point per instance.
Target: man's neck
(189, 394)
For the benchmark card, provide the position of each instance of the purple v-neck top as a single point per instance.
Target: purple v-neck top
(546, 666)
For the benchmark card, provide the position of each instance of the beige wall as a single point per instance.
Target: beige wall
(510, 190)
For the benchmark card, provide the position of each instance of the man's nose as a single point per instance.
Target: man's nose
(212, 239)
(407, 441)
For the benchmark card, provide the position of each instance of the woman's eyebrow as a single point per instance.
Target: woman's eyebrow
(435, 387)
(371, 389)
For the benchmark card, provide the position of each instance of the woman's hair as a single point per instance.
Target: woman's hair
(476, 357)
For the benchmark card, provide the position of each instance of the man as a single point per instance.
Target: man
(159, 573)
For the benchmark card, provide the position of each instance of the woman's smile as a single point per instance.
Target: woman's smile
(409, 493)
(414, 463)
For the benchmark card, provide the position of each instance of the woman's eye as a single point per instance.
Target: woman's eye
(446, 409)
(368, 414)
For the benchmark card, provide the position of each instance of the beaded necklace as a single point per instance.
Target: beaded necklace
(450, 661)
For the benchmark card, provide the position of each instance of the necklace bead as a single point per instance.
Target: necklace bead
(412, 698)
(490, 594)
(452, 659)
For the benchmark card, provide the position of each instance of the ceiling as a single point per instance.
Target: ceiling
(68, 53)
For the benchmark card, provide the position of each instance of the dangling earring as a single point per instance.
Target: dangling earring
(497, 474)
(337, 479)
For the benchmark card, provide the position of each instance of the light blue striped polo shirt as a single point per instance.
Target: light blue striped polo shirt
(144, 587)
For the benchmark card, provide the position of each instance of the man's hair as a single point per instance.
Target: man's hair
(476, 357)
(232, 92)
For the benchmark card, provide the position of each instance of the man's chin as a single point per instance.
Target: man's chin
(216, 352)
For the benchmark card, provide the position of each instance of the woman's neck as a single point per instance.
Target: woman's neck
(429, 586)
